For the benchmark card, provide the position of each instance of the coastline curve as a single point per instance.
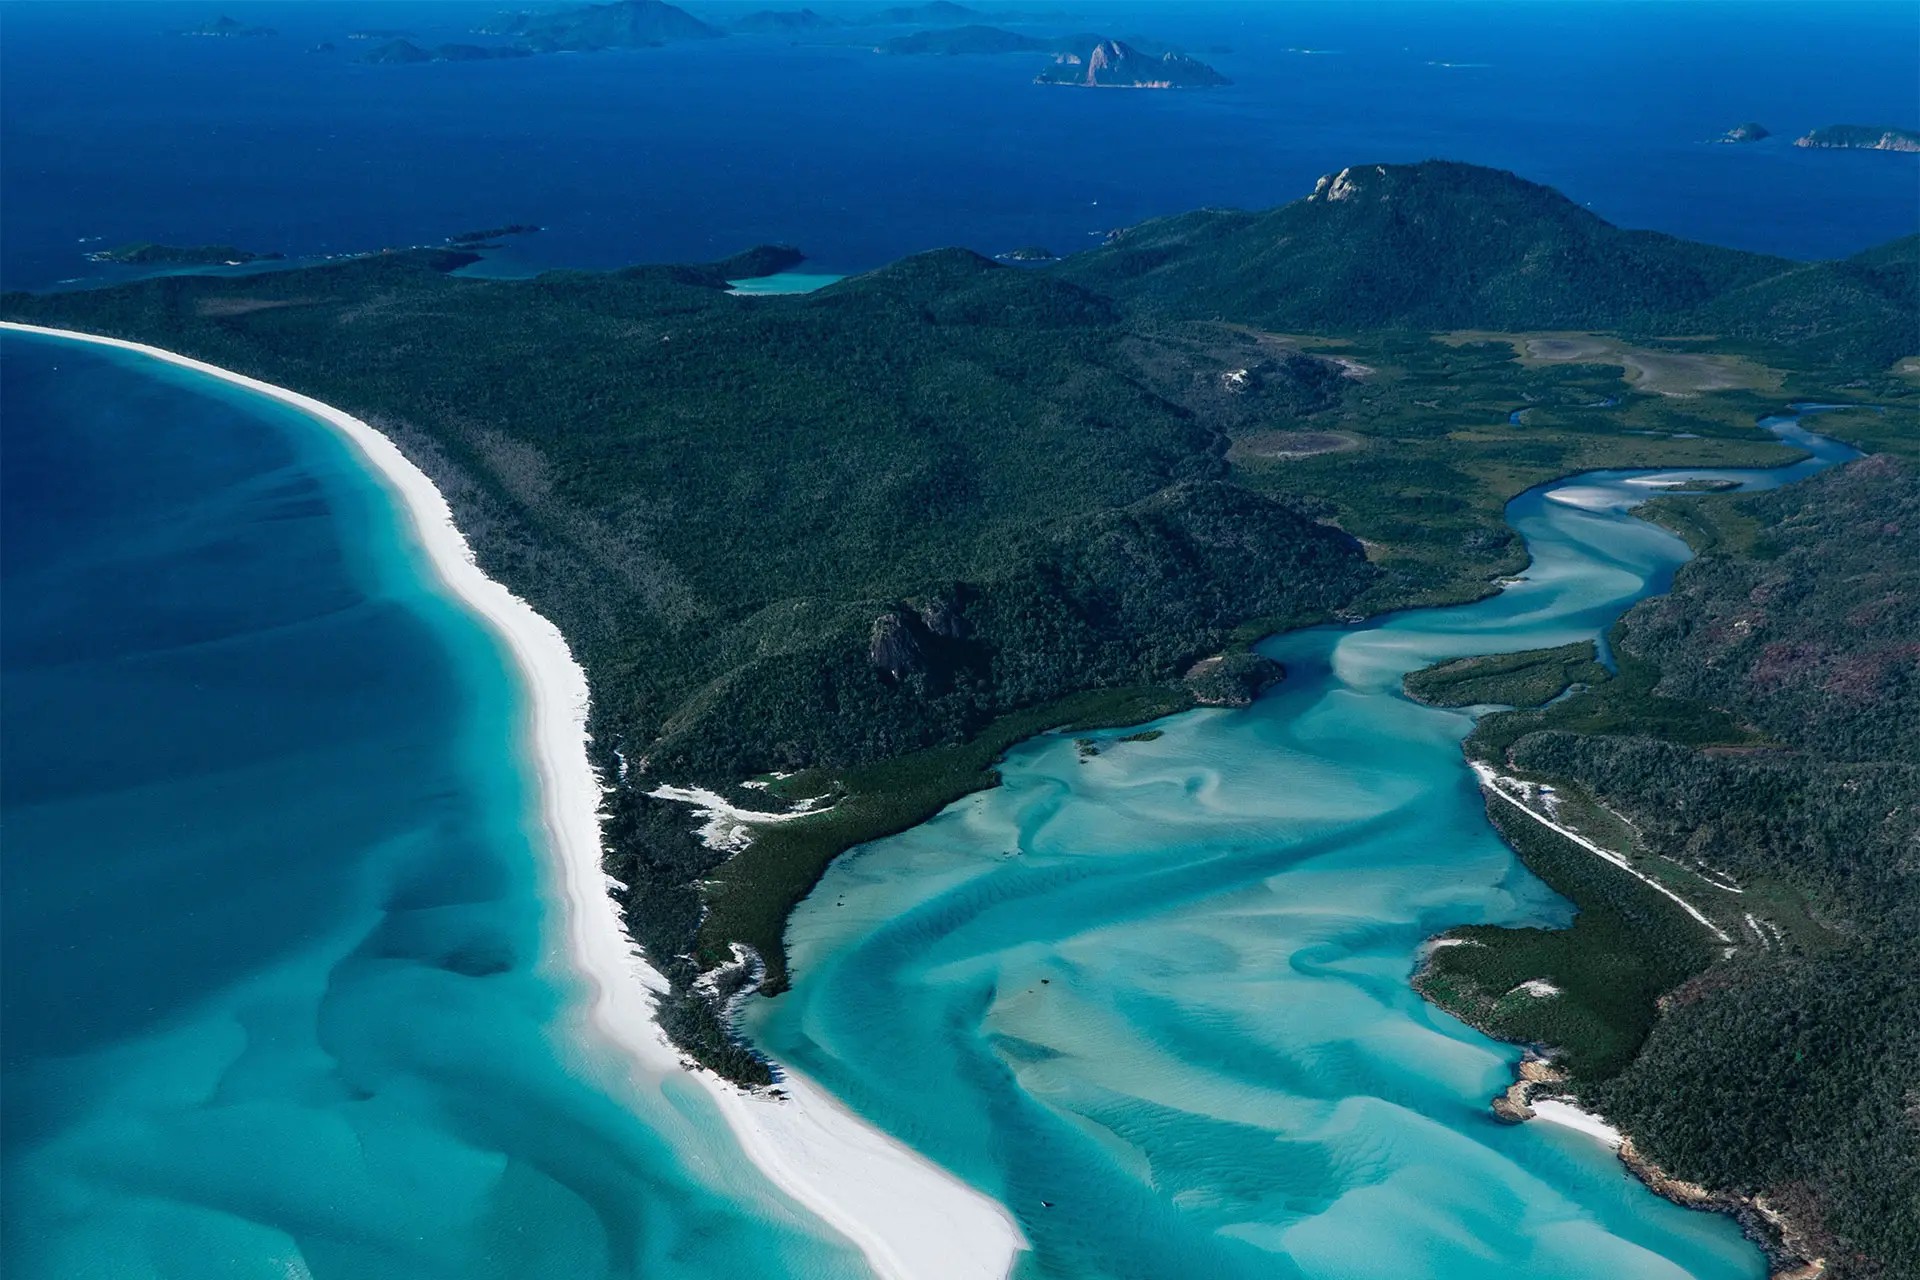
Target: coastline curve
(909, 1218)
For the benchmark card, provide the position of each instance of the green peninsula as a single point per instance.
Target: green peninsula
(146, 254)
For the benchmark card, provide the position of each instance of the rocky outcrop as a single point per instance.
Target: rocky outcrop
(1344, 185)
(1751, 131)
(893, 648)
(1790, 1255)
(1115, 64)
(1232, 679)
(1534, 1073)
(942, 619)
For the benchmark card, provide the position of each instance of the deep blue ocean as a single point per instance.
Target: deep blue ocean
(112, 128)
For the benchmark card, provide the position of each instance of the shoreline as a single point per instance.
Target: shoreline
(909, 1218)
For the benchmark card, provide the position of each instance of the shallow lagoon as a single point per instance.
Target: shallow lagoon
(280, 985)
(1157, 1000)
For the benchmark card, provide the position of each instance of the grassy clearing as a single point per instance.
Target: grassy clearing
(1670, 371)
(1440, 451)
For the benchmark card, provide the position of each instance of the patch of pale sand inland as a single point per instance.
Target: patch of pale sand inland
(1666, 373)
(1283, 446)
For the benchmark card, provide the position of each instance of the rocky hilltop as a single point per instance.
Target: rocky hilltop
(1114, 64)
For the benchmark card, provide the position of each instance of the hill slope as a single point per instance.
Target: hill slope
(1436, 245)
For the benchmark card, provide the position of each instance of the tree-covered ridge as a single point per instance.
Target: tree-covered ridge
(1790, 1068)
(1441, 245)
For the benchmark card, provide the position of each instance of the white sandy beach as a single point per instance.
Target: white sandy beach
(1553, 1111)
(910, 1219)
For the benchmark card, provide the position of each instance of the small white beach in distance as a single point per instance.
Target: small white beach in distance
(784, 282)
(910, 1219)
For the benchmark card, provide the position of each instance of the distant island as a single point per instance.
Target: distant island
(407, 53)
(1862, 137)
(967, 40)
(198, 255)
(782, 22)
(379, 33)
(1114, 64)
(1029, 253)
(225, 26)
(938, 12)
(626, 24)
(1751, 131)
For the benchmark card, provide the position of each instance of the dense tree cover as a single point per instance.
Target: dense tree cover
(1858, 312)
(1625, 949)
(1441, 245)
(1436, 245)
(1530, 678)
(1792, 1068)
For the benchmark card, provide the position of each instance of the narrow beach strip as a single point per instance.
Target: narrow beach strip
(1554, 1111)
(1491, 782)
(909, 1218)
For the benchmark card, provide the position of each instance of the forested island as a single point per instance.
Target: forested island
(624, 24)
(224, 26)
(1115, 64)
(1861, 137)
(854, 544)
(783, 22)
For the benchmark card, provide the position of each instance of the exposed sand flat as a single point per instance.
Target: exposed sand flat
(910, 1219)
(1666, 373)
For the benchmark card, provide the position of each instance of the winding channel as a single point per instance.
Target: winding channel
(1157, 1001)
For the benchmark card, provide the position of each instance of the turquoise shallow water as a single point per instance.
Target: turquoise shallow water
(270, 898)
(1158, 1001)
